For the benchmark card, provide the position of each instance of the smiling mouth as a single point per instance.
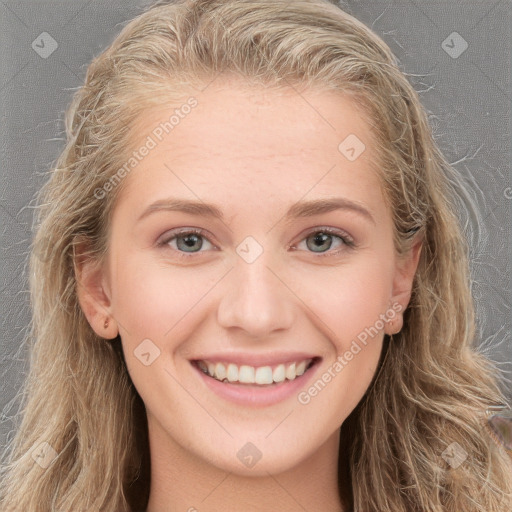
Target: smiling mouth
(261, 375)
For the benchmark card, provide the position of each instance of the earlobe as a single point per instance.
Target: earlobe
(93, 294)
(402, 285)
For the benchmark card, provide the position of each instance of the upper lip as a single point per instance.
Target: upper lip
(256, 360)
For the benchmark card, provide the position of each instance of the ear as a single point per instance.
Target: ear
(94, 292)
(405, 271)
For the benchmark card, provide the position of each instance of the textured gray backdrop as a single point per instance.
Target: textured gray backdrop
(458, 56)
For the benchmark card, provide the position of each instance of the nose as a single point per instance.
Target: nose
(257, 299)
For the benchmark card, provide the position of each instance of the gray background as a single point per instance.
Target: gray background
(468, 97)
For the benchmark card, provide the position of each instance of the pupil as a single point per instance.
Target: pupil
(321, 238)
(190, 240)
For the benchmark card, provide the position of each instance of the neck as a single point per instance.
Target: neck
(180, 481)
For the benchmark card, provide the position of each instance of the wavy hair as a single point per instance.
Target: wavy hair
(432, 387)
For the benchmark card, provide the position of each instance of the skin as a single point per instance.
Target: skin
(253, 152)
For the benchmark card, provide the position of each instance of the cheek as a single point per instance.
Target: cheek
(349, 299)
(350, 312)
(151, 299)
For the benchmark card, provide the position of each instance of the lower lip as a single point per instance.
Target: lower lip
(254, 395)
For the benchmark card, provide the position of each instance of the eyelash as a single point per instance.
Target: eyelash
(347, 240)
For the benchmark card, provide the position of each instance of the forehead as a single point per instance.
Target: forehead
(227, 109)
(241, 139)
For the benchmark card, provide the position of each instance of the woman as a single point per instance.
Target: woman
(192, 355)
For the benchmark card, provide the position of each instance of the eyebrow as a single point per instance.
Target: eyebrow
(302, 208)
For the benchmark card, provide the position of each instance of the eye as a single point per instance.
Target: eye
(184, 240)
(191, 238)
(321, 238)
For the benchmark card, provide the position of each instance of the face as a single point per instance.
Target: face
(272, 285)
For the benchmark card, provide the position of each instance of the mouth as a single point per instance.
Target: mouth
(255, 376)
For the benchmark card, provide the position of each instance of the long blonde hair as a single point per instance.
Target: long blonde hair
(432, 387)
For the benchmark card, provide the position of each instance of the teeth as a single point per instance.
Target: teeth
(229, 372)
(290, 372)
(263, 375)
(232, 374)
(279, 373)
(246, 374)
(220, 371)
(300, 368)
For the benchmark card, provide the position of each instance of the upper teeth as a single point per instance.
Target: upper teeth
(254, 375)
